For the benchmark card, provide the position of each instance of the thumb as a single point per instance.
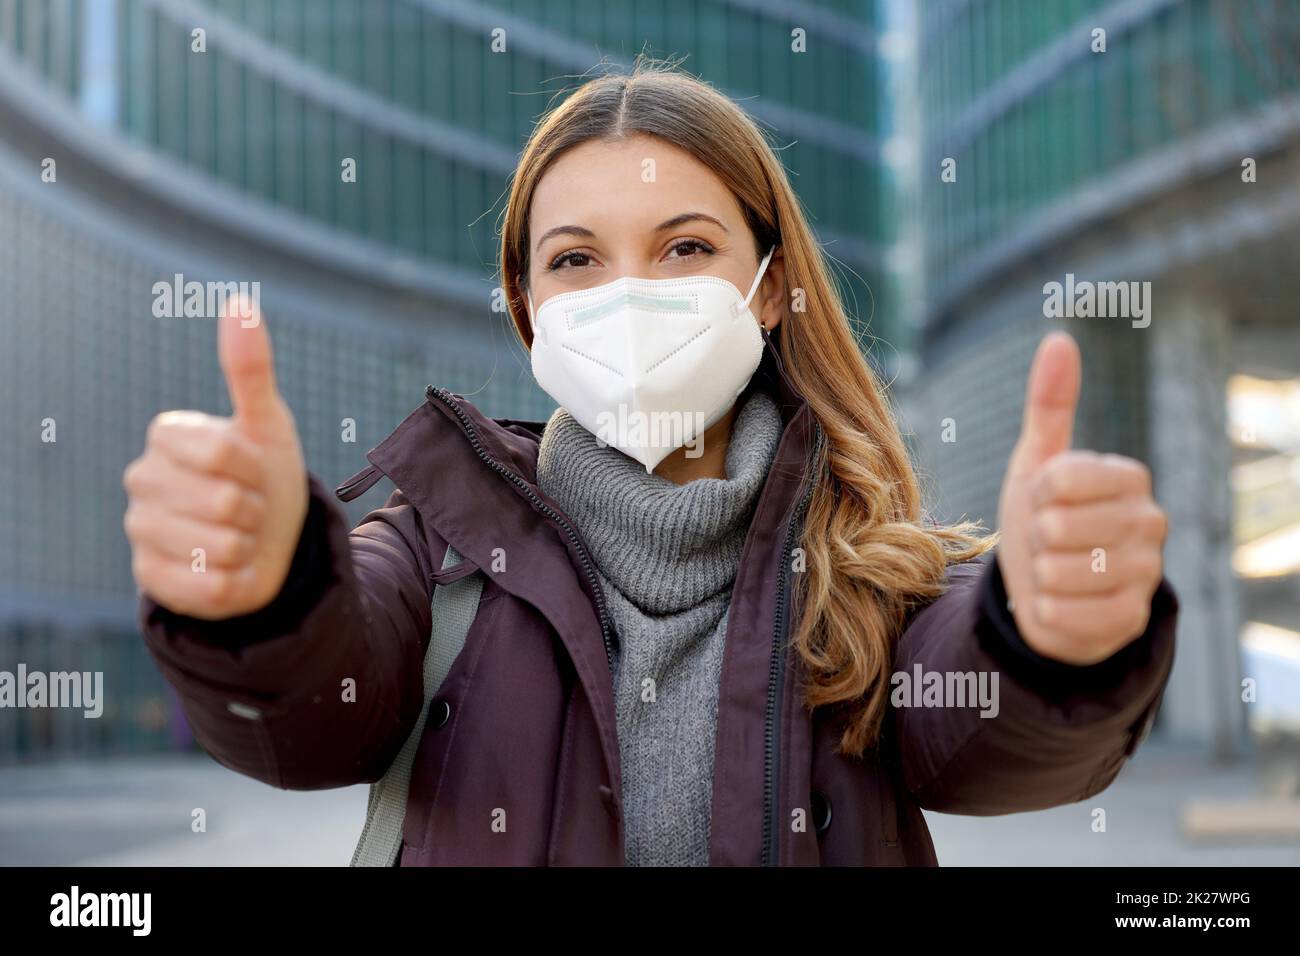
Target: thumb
(244, 350)
(1051, 397)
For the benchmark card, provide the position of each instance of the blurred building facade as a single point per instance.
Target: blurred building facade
(145, 139)
(1118, 141)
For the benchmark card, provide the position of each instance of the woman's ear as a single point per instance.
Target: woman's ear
(772, 293)
(521, 282)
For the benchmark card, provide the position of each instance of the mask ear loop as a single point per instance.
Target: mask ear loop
(762, 268)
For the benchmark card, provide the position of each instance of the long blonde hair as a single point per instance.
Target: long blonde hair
(871, 554)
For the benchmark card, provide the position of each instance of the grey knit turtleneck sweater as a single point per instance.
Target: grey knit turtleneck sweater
(666, 556)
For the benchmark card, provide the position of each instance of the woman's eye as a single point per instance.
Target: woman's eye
(685, 249)
(573, 258)
(688, 247)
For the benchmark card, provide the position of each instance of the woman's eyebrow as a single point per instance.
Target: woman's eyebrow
(672, 223)
(582, 231)
(690, 217)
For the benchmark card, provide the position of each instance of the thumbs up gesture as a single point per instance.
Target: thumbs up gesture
(1082, 537)
(216, 505)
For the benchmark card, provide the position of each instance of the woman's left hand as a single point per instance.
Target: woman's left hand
(1082, 536)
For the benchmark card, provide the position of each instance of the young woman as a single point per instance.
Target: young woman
(715, 626)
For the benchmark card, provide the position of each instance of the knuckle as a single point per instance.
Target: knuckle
(254, 506)
(1130, 472)
(144, 568)
(133, 523)
(1047, 611)
(131, 476)
(1043, 569)
(230, 547)
(1141, 475)
(140, 479)
(1147, 565)
(1079, 464)
(1052, 481)
(218, 452)
(227, 502)
(156, 430)
(166, 426)
(1049, 526)
(1136, 615)
(1154, 522)
(218, 587)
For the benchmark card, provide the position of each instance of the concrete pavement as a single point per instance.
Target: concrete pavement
(138, 811)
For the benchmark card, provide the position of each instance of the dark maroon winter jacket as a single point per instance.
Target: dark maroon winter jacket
(525, 718)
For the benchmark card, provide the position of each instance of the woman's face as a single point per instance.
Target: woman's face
(644, 208)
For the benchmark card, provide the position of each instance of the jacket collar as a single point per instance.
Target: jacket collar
(448, 430)
(447, 443)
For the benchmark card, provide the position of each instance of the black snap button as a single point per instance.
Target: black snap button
(821, 811)
(439, 714)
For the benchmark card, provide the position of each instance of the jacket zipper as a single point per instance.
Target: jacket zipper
(776, 672)
(444, 395)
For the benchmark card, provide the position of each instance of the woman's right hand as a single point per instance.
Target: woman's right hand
(216, 505)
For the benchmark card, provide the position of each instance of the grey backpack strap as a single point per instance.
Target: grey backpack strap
(453, 608)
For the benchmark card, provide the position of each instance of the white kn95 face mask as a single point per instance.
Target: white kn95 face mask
(647, 365)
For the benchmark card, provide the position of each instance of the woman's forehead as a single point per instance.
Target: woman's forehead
(634, 183)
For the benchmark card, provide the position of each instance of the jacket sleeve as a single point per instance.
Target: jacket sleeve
(322, 687)
(1060, 732)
